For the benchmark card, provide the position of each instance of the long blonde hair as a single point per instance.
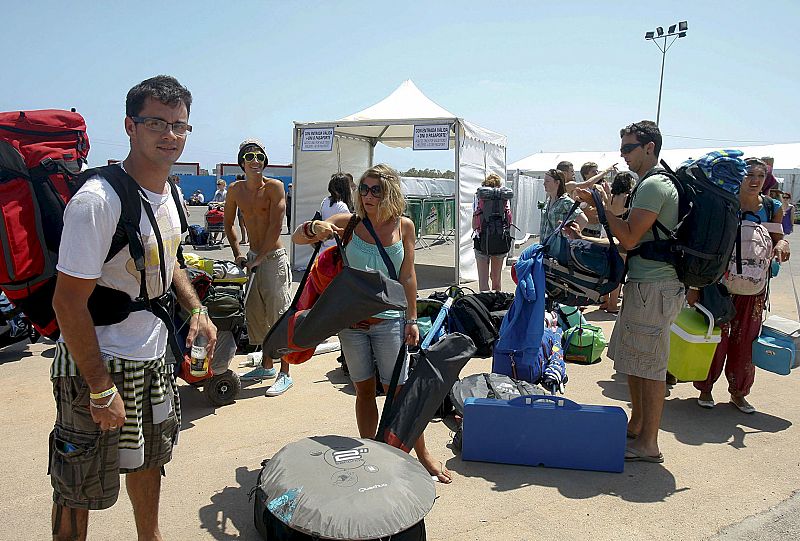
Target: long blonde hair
(392, 204)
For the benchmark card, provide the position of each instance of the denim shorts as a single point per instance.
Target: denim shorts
(377, 346)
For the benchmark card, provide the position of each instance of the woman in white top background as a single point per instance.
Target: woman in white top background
(340, 200)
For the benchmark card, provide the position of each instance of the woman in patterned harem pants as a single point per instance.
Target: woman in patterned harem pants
(735, 351)
(736, 348)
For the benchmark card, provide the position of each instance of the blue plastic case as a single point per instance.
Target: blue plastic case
(544, 430)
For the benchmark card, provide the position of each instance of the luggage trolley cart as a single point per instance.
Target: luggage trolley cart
(215, 223)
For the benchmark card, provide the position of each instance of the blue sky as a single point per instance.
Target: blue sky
(552, 76)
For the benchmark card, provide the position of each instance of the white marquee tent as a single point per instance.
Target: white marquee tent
(478, 152)
(787, 160)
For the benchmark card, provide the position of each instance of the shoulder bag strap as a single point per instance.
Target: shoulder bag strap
(386, 259)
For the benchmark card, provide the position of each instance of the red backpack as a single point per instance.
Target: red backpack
(41, 155)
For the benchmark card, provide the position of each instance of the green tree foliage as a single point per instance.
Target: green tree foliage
(428, 173)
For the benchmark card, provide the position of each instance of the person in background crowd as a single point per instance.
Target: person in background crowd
(557, 205)
(568, 169)
(176, 179)
(653, 295)
(240, 219)
(340, 200)
(117, 404)
(621, 188)
(262, 201)
(488, 266)
(771, 183)
(219, 195)
(788, 213)
(197, 198)
(217, 203)
(376, 341)
(590, 176)
(735, 351)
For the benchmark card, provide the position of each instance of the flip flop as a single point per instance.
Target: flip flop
(634, 455)
(708, 404)
(747, 408)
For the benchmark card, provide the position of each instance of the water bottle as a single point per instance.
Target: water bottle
(199, 363)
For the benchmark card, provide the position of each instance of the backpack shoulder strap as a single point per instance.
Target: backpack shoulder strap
(769, 206)
(179, 205)
(128, 226)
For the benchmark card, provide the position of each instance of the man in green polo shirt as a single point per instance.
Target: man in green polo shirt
(653, 295)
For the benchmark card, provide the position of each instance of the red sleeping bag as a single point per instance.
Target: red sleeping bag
(323, 271)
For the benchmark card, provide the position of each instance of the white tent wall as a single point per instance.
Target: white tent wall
(480, 152)
(312, 172)
(527, 217)
(791, 181)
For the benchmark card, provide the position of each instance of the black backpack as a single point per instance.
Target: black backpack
(701, 244)
(469, 316)
(495, 237)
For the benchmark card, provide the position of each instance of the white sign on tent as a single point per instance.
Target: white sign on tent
(317, 139)
(432, 137)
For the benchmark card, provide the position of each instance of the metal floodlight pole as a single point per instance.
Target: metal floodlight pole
(675, 31)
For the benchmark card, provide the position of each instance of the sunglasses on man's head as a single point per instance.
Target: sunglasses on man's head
(250, 156)
(630, 147)
(376, 190)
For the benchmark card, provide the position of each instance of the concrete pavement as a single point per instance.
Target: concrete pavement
(721, 466)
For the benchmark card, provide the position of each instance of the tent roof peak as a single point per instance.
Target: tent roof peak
(407, 101)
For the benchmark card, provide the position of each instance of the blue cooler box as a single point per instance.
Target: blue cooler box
(776, 349)
(540, 430)
(774, 354)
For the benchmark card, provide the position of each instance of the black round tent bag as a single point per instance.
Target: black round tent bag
(341, 488)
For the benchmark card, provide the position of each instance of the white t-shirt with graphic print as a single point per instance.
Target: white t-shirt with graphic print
(90, 220)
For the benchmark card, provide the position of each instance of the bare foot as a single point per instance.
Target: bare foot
(437, 469)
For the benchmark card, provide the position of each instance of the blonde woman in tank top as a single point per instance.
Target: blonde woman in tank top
(373, 344)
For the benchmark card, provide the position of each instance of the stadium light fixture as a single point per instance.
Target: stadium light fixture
(658, 37)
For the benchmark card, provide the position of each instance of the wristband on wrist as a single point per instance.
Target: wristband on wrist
(107, 392)
(312, 228)
(306, 230)
(200, 311)
(107, 404)
(411, 322)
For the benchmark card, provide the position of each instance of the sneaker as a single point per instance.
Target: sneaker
(257, 374)
(280, 386)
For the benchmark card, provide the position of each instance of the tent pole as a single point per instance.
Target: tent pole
(294, 188)
(458, 202)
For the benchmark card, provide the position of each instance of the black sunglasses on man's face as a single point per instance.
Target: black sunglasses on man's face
(630, 147)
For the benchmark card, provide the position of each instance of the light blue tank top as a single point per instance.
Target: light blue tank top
(363, 255)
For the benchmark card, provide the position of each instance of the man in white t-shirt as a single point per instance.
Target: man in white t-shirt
(117, 408)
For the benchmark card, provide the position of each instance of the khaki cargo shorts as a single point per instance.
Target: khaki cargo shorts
(639, 344)
(267, 294)
(84, 461)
